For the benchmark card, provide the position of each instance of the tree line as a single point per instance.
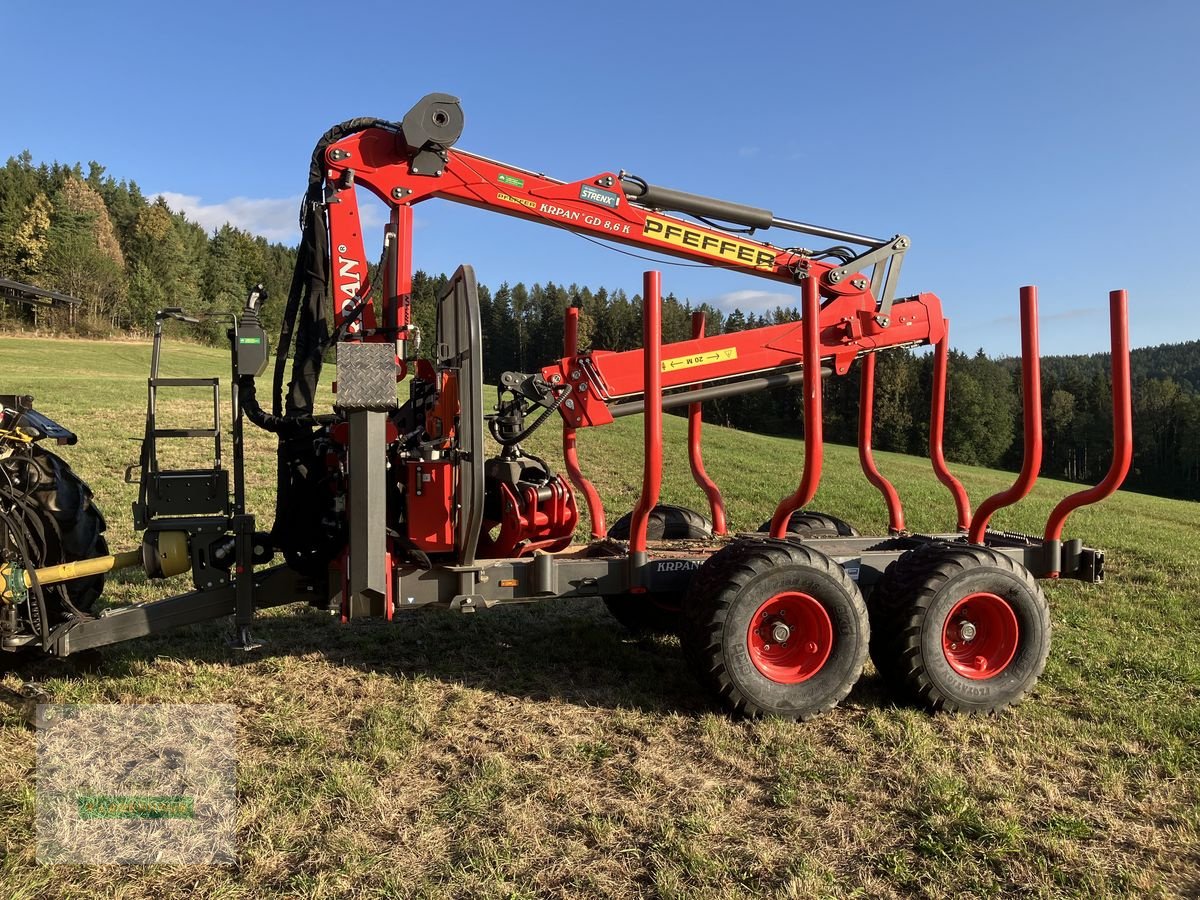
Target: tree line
(125, 256)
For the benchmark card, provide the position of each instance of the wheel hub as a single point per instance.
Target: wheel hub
(790, 637)
(980, 636)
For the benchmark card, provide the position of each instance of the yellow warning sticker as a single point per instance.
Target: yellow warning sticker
(672, 231)
(700, 359)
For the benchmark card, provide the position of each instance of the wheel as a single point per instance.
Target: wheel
(775, 628)
(656, 613)
(666, 523)
(814, 524)
(59, 523)
(973, 634)
(888, 601)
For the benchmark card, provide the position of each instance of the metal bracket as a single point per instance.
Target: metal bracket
(886, 260)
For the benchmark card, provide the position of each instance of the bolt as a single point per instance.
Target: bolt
(576, 374)
(582, 388)
(967, 631)
(780, 633)
(835, 277)
(556, 378)
(570, 404)
(400, 193)
(860, 283)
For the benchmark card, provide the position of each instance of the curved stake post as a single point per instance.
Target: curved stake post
(937, 424)
(813, 432)
(570, 457)
(695, 423)
(1122, 401)
(1031, 389)
(652, 417)
(866, 416)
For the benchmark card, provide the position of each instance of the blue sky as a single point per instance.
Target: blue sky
(1053, 143)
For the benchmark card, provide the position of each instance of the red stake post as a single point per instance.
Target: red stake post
(866, 416)
(937, 424)
(813, 432)
(695, 423)
(652, 417)
(1122, 399)
(570, 456)
(1031, 388)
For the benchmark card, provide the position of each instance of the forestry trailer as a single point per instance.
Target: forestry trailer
(386, 503)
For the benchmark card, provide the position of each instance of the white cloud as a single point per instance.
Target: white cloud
(273, 219)
(754, 301)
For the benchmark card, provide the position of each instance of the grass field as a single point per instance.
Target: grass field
(540, 751)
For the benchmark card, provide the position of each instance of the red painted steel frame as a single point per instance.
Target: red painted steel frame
(695, 424)
(652, 466)
(937, 423)
(570, 456)
(1031, 388)
(813, 431)
(377, 161)
(866, 412)
(1122, 397)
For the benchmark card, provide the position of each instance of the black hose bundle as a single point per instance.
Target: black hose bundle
(301, 516)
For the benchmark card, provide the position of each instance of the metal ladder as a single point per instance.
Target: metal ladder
(178, 492)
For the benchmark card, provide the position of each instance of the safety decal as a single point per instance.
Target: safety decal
(699, 359)
(510, 180)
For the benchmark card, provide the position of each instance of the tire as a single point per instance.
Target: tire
(937, 663)
(888, 602)
(61, 523)
(806, 524)
(656, 614)
(741, 595)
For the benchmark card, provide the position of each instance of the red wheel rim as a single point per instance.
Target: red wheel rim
(980, 636)
(790, 637)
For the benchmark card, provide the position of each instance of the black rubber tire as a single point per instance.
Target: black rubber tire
(656, 614)
(63, 523)
(805, 524)
(935, 580)
(729, 589)
(666, 523)
(887, 603)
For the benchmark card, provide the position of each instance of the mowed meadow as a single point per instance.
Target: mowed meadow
(541, 751)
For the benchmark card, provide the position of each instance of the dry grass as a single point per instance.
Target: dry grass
(541, 752)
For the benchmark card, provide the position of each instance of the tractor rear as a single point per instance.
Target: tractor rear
(388, 502)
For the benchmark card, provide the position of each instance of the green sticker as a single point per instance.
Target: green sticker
(511, 179)
(250, 340)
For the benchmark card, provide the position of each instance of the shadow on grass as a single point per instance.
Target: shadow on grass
(568, 650)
